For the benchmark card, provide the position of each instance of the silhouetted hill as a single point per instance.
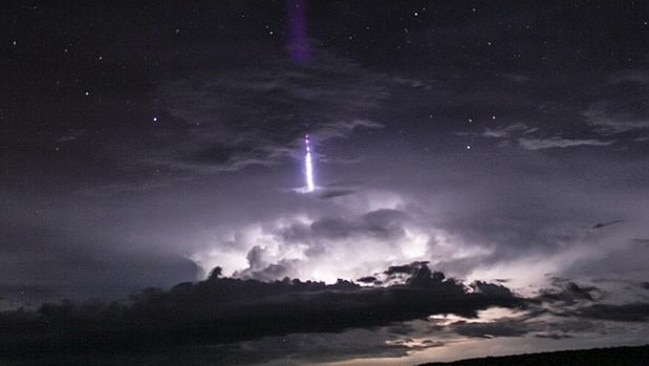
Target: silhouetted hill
(619, 356)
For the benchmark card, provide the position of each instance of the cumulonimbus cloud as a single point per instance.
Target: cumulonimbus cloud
(327, 247)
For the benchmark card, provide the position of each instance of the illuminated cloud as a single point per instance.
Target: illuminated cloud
(350, 244)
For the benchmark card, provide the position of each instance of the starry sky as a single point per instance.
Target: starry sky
(143, 144)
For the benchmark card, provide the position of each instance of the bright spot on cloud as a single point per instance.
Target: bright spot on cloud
(415, 244)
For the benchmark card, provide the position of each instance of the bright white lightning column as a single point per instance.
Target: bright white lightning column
(308, 166)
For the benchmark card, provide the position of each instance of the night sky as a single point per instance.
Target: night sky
(503, 143)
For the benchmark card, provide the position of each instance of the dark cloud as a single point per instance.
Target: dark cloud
(491, 289)
(368, 280)
(406, 269)
(488, 330)
(632, 312)
(568, 293)
(224, 310)
(555, 336)
(308, 348)
(332, 193)
(604, 224)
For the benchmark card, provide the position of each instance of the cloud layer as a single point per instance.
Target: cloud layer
(221, 319)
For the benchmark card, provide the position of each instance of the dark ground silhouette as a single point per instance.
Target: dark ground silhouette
(619, 356)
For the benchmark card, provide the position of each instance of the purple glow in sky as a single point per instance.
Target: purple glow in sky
(297, 43)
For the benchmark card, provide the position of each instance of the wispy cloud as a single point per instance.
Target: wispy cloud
(525, 136)
(558, 142)
(631, 76)
(240, 117)
(618, 117)
(508, 131)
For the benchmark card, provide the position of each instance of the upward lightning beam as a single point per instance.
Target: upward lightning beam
(308, 166)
